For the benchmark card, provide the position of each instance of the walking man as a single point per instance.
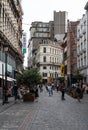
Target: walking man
(79, 92)
(62, 88)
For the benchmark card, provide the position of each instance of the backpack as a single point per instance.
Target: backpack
(62, 88)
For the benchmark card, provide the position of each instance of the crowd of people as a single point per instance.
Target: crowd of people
(79, 90)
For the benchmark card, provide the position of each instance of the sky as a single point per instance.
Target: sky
(42, 10)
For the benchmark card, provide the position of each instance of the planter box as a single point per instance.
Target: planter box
(29, 97)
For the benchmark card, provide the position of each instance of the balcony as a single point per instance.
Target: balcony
(84, 50)
(48, 63)
(80, 52)
(84, 30)
(80, 35)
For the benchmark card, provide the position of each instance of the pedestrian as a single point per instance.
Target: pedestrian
(57, 87)
(85, 88)
(36, 91)
(50, 89)
(15, 89)
(41, 88)
(62, 89)
(46, 86)
(78, 92)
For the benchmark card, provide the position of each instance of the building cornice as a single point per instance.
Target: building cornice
(86, 6)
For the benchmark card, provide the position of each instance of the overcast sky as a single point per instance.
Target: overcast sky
(42, 10)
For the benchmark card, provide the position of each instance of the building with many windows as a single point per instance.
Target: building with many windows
(11, 59)
(48, 60)
(39, 31)
(82, 45)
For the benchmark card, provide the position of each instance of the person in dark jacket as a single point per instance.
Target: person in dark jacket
(79, 92)
(62, 88)
(15, 89)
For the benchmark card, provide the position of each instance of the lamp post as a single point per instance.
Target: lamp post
(3, 85)
(5, 88)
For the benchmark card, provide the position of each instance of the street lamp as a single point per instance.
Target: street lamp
(5, 88)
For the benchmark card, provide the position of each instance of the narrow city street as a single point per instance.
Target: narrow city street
(48, 113)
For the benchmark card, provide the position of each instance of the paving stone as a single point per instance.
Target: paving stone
(49, 113)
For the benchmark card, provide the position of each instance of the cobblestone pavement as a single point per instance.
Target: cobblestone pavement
(48, 113)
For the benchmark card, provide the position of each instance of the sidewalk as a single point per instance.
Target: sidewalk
(6, 105)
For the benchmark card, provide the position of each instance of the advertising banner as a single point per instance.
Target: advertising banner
(24, 42)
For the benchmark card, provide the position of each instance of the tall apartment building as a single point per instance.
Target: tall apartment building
(82, 45)
(39, 31)
(51, 28)
(11, 58)
(60, 24)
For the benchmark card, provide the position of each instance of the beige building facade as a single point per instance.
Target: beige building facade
(11, 59)
(49, 58)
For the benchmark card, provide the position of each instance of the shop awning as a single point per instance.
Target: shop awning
(8, 78)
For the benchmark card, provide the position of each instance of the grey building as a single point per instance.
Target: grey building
(39, 32)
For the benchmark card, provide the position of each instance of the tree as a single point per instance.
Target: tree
(61, 79)
(77, 77)
(29, 78)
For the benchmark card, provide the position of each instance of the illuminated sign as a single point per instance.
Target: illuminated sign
(62, 69)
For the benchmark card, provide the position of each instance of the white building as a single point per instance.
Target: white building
(49, 58)
(82, 45)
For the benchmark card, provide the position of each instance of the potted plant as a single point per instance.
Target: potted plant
(29, 78)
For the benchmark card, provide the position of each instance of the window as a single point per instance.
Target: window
(50, 59)
(55, 60)
(84, 23)
(50, 67)
(55, 51)
(44, 49)
(84, 60)
(44, 74)
(84, 44)
(50, 50)
(44, 59)
(81, 45)
(78, 63)
(81, 61)
(44, 67)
